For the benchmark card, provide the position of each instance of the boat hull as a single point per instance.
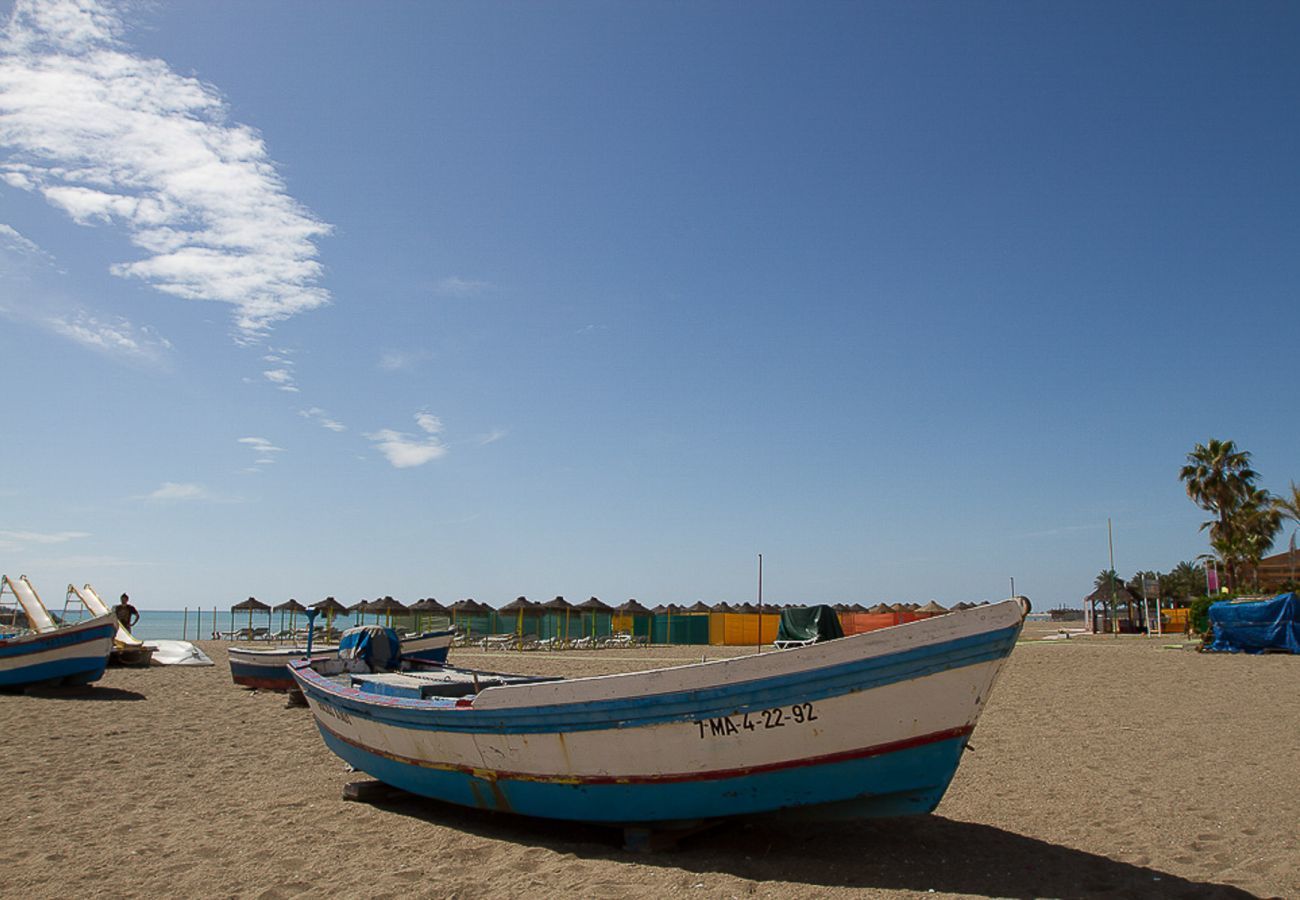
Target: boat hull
(868, 725)
(74, 654)
(431, 646)
(268, 669)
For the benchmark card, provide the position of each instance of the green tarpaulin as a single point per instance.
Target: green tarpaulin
(809, 623)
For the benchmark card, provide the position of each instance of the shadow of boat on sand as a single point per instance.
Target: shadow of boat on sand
(917, 854)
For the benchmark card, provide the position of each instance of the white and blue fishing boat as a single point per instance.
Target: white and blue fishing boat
(267, 669)
(36, 650)
(868, 725)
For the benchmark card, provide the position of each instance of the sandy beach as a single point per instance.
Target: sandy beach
(1102, 767)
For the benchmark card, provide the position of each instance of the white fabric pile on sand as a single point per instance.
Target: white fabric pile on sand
(178, 653)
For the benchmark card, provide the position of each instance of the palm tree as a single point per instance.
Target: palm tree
(1184, 580)
(1219, 479)
(1289, 506)
(1258, 520)
(1105, 578)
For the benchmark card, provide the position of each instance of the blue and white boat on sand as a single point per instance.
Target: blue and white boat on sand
(47, 653)
(267, 669)
(868, 725)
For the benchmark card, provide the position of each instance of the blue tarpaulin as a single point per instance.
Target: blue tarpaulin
(1256, 625)
(374, 645)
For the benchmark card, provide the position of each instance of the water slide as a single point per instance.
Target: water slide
(38, 617)
(98, 607)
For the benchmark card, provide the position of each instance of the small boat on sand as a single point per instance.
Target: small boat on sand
(868, 725)
(36, 650)
(267, 668)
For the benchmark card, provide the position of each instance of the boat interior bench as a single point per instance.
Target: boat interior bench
(423, 686)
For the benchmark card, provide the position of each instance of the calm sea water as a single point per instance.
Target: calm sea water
(174, 624)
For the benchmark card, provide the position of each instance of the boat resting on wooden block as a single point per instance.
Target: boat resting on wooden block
(868, 725)
(267, 668)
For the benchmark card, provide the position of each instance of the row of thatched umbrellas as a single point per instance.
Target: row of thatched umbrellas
(473, 607)
(389, 606)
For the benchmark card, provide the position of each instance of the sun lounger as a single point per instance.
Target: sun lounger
(498, 642)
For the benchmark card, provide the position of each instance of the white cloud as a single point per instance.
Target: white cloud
(403, 450)
(14, 540)
(11, 239)
(170, 490)
(454, 286)
(402, 360)
(281, 378)
(264, 450)
(322, 418)
(110, 136)
(117, 337)
(492, 436)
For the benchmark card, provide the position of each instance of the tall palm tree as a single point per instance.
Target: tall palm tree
(1289, 505)
(1219, 479)
(1258, 520)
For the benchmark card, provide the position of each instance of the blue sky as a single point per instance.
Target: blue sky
(487, 299)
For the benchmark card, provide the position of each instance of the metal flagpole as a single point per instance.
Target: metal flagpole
(760, 603)
(1110, 539)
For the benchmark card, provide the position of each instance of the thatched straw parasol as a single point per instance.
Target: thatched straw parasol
(388, 606)
(251, 605)
(331, 608)
(559, 604)
(594, 606)
(933, 608)
(519, 606)
(699, 606)
(292, 607)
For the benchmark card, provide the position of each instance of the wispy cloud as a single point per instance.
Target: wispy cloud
(173, 491)
(11, 239)
(403, 450)
(281, 378)
(455, 286)
(111, 136)
(492, 436)
(16, 540)
(402, 360)
(322, 418)
(264, 449)
(113, 336)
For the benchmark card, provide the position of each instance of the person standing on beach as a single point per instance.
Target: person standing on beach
(127, 615)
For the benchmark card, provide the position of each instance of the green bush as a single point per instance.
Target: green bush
(1200, 613)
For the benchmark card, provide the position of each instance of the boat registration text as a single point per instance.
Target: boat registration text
(760, 720)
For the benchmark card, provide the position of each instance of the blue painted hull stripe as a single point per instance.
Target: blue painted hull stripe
(82, 669)
(905, 782)
(666, 777)
(25, 645)
(807, 686)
